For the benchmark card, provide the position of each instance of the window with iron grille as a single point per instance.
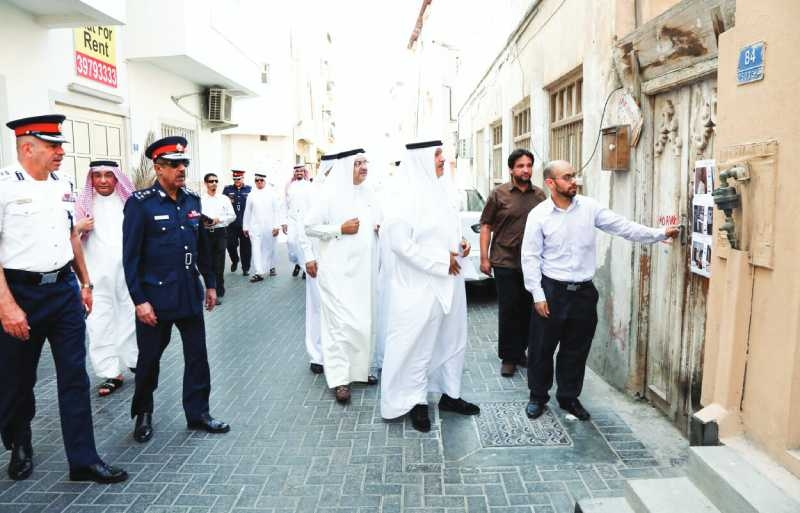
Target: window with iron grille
(566, 119)
(522, 126)
(497, 152)
(193, 172)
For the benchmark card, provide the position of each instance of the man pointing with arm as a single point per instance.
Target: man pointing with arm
(558, 263)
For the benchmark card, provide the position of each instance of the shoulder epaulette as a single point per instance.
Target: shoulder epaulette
(143, 194)
(190, 192)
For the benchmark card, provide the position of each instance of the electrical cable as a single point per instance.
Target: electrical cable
(600, 130)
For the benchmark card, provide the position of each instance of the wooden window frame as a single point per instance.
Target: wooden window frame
(565, 99)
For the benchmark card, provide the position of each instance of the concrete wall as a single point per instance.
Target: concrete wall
(752, 375)
(273, 156)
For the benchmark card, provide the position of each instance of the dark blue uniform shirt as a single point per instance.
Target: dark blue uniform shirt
(238, 198)
(164, 251)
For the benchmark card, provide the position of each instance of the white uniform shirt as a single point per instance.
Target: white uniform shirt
(219, 207)
(561, 243)
(35, 221)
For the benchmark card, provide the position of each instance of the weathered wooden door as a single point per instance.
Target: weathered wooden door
(683, 133)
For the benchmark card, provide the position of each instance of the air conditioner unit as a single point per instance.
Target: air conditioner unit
(220, 104)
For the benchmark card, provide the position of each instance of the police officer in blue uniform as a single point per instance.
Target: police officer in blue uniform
(164, 252)
(40, 254)
(238, 242)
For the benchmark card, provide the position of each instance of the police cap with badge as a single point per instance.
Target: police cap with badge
(46, 128)
(172, 149)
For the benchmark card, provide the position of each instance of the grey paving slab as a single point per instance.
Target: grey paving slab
(293, 449)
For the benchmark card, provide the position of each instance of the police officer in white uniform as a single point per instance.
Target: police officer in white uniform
(40, 299)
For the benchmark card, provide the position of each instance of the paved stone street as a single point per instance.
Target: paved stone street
(293, 449)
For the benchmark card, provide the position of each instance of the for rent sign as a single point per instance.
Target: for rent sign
(96, 54)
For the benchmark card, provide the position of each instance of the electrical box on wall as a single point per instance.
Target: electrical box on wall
(616, 148)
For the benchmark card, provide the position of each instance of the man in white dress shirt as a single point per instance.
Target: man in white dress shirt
(218, 208)
(558, 263)
(41, 263)
(261, 224)
(111, 329)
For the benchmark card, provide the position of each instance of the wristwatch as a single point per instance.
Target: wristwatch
(89, 286)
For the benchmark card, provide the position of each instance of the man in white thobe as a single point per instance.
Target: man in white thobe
(309, 248)
(298, 198)
(345, 219)
(427, 332)
(111, 329)
(261, 224)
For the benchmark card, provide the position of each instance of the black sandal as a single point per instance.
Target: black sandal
(109, 386)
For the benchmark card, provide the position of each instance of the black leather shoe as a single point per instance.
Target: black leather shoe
(99, 473)
(316, 368)
(372, 380)
(245, 273)
(459, 405)
(234, 265)
(143, 429)
(535, 409)
(419, 418)
(575, 407)
(21, 465)
(209, 424)
(272, 272)
(295, 271)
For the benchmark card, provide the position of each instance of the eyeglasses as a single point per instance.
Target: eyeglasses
(174, 163)
(259, 179)
(212, 181)
(567, 178)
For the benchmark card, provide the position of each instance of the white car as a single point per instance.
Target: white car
(470, 213)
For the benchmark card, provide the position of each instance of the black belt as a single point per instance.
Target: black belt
(213, 230)
(33, 278)
(571, 286)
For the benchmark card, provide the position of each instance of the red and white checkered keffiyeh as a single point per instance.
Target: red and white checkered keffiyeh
(83, 205)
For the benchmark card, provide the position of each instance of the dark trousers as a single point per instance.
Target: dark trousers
(152, 342)
(514, 305)
(570, 328)
(55, 313)
(238, 243)
(218, 241)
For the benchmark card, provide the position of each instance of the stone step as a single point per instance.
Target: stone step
(674, 495)
(733, 484)
(604, 505)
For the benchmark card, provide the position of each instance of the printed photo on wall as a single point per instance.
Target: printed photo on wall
(699, 216)
(701, 255)
(701, 181)
(709, 220)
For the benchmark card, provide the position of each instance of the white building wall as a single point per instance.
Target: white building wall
(274, 157)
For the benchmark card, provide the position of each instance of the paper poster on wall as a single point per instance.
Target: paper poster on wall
(702, 217)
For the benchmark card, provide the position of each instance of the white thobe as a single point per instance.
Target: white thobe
(426, 338)
(309, 249)
(261, 216)
(111, 327)
(346, 268)
(298, 197)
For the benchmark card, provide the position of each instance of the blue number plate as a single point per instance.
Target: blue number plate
(751, 63)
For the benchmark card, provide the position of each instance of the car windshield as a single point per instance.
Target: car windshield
(471, 201)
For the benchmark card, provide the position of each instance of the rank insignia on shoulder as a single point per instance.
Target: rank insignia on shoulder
(143, 194)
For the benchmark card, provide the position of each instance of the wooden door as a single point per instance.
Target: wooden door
(92, 136)
(675, 311)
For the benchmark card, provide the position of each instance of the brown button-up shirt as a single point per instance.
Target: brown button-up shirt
(506, 211)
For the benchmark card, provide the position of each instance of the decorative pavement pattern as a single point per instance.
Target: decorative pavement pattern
(293, 449)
